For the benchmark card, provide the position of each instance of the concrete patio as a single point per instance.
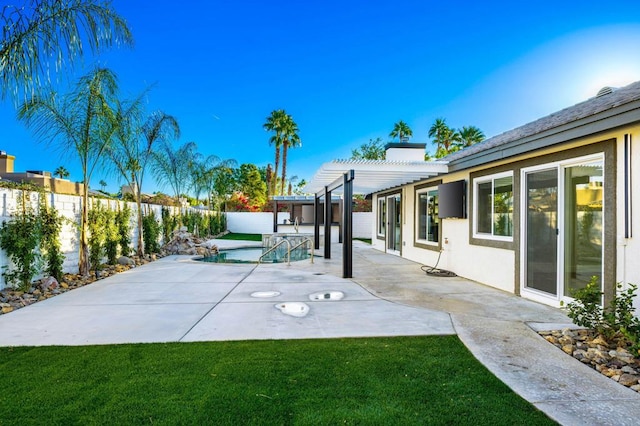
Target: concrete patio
(177, 299)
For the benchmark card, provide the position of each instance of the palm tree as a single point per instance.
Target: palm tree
(61, 172)
(173, 167)
(470, 135)
(290, 139)
(78, 122)
(401, 130)
(132, 147)
(274, 124)
(103, 185)
(445, 137)
(43, 35)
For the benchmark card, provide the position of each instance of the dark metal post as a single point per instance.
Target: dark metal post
(347, 226)
(327, 223)
(341, 220)
(316, 222)
(275, 216)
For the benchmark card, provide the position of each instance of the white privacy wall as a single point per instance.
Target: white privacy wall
(69, 206)
(262, 223)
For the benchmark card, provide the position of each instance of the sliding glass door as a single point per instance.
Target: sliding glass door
(394, 223)
(542, 231)
(562, 221)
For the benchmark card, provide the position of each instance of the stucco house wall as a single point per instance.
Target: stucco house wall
(593, 129)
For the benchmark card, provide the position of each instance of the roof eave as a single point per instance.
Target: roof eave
(623, 115)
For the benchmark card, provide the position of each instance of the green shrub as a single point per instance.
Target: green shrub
(112, 237)
(617, 319)
(169, 224)
(150, 232)
(97, 235)
(586, 310)
(19, 238)
(124, 230)
(51, 223)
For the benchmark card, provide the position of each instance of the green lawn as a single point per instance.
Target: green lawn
(405, 380)
(243, 237)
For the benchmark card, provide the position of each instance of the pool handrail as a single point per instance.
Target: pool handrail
(276, 246)
(304, 242)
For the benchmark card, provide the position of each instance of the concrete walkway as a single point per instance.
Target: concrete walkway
(176, 299)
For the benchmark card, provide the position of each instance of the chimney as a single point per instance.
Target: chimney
(6, 163)
(405, 151)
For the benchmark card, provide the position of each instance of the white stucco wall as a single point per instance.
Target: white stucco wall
(493, 267)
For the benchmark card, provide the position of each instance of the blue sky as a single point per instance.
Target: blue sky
(348, 70)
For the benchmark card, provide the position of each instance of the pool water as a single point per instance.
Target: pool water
(252, 254)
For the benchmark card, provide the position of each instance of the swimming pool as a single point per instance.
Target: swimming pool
(252, 254)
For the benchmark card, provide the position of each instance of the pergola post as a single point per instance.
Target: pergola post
(346, 230)
(347, 226)
(316, 222)
(275, 216)
(327, 223)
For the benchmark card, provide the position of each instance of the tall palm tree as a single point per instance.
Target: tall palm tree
(445, 137)
(470, 135)
(79, 123)
(103, 184)
(401, 130)
(61, 172)
(42, 36)
(290, 139)
(274, 124)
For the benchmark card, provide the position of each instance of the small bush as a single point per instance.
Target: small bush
(124, 230)
(112, 237)
(97, 235)
(51, 222)
(19, 238)
(151, 232)
(617, 319)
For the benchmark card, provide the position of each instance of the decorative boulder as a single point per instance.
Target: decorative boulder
(48, 283)
(126, 261)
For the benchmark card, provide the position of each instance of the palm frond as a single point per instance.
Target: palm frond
(42, 37)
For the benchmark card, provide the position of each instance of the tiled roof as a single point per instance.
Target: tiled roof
(568, 115)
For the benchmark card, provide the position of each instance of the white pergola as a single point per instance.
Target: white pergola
(374, 175)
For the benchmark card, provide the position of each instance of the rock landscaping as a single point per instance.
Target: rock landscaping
(610, 358)
(185, 243)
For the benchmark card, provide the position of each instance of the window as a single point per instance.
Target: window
(382, 217)
(427, 216)
(493, 200)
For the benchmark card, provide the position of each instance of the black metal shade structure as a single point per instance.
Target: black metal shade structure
(346, 182)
